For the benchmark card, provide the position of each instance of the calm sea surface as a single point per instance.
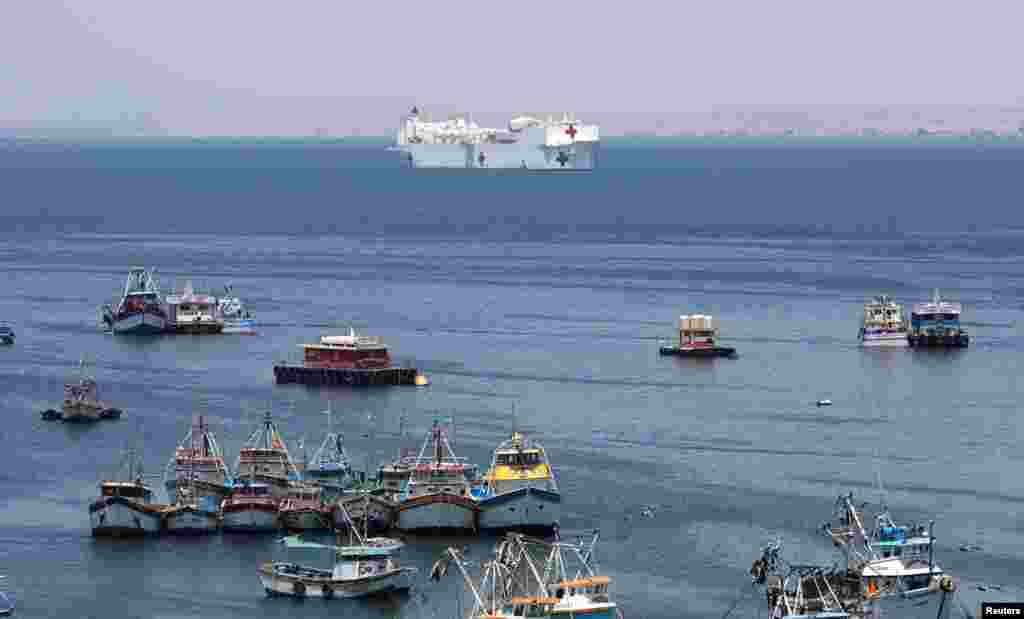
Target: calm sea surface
(533, 303)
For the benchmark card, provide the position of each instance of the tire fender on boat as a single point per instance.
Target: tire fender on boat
(298, 588)
(327, 592)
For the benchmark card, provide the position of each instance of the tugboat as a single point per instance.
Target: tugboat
(193, 313)
(265, 458)
(6, 335)
(330, 469)
(81, 403)
(139, 311)
(519, 489)
(198, 462)
(345, 360)
(883, 324)
(365, 568)
(438, 495)
(237, 318)
(697, 339)
(305, 509)
(125, 507)
(937, 324)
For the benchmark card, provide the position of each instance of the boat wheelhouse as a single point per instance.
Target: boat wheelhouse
(697, 338)
(519, 489)
(438, 494)
(883, 324)
(265, 458)
(139, 311)
(198, 462)
(937, 324)
(347, 352)
(394, 476)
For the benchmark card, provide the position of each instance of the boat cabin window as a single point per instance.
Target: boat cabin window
(920, 581)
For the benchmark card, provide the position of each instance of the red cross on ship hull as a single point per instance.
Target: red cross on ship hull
(571, 132)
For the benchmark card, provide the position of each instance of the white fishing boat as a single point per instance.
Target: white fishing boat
(438, 495)
(369, 566)
(532, 578)
(125, 507)
(237, 317)
(519, 489)
(892, 569)
(198, 462)
(883, 324)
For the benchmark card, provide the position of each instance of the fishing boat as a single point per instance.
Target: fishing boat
(237, 317)
(6, 603)
(250, 508)
(937, 325)
(883, 324)
(330, 469)
(438, 495)
(194, 509)
(368, 566)
(81, 401)
(125, 506)
(529, 577)
(139, 311)
(697, 338)
(891, 569)
(519, 489)
(6, 335)
(305, 509)
(345, 360)
(806, 592)
(265, 458)
(393, 477)
(193, 313)
(198, 463)
(369, 511)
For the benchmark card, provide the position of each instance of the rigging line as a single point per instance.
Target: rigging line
(736, 601)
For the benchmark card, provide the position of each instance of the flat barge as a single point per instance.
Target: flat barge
(696, 339)
(346, 360)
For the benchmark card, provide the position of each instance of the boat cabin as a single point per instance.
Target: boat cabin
(696, 331)
(516, 464)
(130, 490)
(443, 478)
(347, 352)
(595, 588)
(531, 606)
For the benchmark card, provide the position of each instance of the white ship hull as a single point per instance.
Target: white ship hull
(889, 339)
(140, 324)
(190, 521)
(244, 326)
(526, 508)
(520, 157)
(280, 585)
(250, 520)
(437, 512)
(924, 605)
(121, 517)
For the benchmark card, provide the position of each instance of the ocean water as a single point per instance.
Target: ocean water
(533, 303)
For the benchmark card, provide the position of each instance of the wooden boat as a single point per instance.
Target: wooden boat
(369, 511)
(305, 509)
(198, 462)
(265, 458)
(250, 507)
(368, 567)
(519, 489)
(437, 496)
(125, 507)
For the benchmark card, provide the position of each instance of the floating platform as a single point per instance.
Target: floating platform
(960, 340)
(714, 351)
(285, 373)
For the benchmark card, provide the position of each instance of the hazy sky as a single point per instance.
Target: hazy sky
(286, 67)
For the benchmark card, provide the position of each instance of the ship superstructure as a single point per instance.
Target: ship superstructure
(527, 143)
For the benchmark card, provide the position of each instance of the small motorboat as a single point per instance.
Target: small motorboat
(824, 403)
(6, 335)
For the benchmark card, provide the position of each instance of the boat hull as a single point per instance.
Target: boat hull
(250, 520)
(938, 341)
(202, 488)
(714, 351)
(117, 516)
(139, 324)
(438, 512)
(80, 412)
(305, 519)
(929, 604)
(382, 513)
(524, 509)
(190, 521)
(281, 585)
(894, 339)
(299, 374)
(197, 328)
(240, 327)
(531, 155)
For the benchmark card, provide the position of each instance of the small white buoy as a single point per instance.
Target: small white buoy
(824, 402)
